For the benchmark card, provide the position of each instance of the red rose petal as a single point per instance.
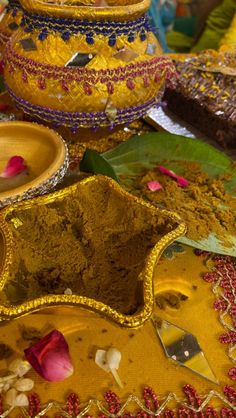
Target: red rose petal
(15, 165)
(50, 357)
(182, 182)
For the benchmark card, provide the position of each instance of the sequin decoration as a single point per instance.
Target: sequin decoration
(13, 26)
(111, 111)
(126, 54)
(151, 49)
(79, 60)
(28, 44)
(183, 348)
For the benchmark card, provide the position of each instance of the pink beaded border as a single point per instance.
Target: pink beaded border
(193, 406)
(223, 279)
(156, 68)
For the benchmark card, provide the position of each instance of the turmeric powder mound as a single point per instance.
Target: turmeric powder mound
(204, 205)
(94, 242)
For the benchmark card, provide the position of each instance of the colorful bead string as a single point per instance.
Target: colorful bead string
(69, 27)
(193, 406)
(76, 120)
(13, 7)
(4, 38)
(155, 68)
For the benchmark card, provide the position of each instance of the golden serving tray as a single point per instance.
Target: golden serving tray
(116, 238)
(44, 152)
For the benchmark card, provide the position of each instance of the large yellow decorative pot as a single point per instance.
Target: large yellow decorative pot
(86, 66)
(9, 22)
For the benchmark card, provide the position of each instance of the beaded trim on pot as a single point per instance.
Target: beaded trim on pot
(154, 68)
(13, 7)
(76, 120)
(68, 27)
(4, 38)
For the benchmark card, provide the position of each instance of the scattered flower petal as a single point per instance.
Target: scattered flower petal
(15, 165)
(182, 182)
(109, 361)
(21, 400)
(113, 358)
(11, 397)
(50, 357)
(19, 367)
(101, 360)
(68, 291)
(166, 171)
(6, 387)
(154, 185)
(24, 385)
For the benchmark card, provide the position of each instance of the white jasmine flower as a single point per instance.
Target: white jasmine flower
(19, 367)
(109, 361)
(24, 385)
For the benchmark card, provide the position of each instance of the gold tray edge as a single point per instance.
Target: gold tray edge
(34, 305)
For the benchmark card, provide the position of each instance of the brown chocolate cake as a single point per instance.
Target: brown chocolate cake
(205, 94)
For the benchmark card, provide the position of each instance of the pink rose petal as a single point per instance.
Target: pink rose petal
(50, 357)
(15, 165)
(182, 182)
(154, 185)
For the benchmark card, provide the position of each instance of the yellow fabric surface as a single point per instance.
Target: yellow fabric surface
(143, 360)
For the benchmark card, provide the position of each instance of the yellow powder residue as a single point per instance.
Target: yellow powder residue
(204, 205)
(94, 242)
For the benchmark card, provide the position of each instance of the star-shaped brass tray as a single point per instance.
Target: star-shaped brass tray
(91, 245)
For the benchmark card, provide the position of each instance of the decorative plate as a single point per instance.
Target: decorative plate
(45, 155)
(92, 245)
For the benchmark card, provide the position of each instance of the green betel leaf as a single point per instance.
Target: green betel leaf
(142, 153)
(93, 162)
(147, 151)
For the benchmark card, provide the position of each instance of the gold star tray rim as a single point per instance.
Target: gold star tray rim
(37, 304)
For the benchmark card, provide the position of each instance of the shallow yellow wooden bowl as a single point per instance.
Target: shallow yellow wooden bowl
(44, 152)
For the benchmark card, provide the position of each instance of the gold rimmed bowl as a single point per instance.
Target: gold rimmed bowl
(91, 245)
(44, 153)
